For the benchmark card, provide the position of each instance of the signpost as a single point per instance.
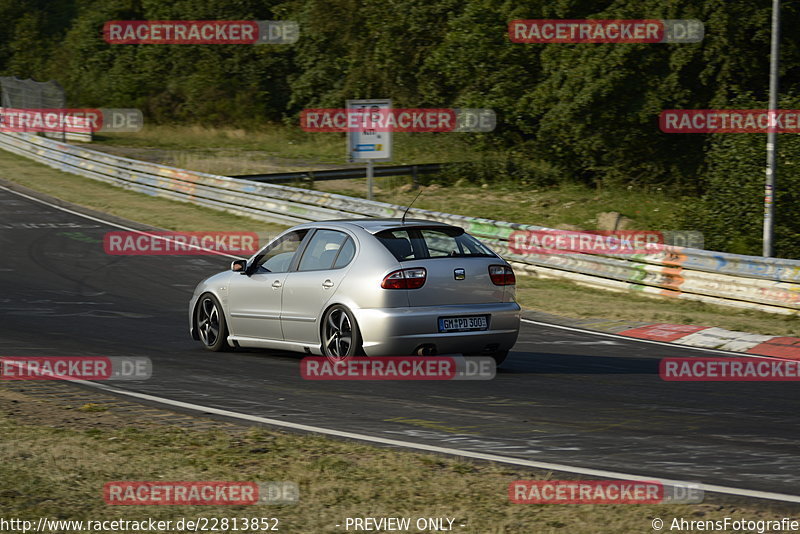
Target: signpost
(366, 143)
(772, 135)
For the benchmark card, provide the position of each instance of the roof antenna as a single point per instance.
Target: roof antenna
(403, 220)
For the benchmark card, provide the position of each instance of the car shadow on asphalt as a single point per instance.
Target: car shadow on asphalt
(528, 362)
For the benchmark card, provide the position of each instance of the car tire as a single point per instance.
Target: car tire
(341, 338)
(500, 357)
(210, 323)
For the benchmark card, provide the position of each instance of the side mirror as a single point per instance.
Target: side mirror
(239, 266)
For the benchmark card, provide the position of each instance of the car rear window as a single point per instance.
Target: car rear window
(424, 243)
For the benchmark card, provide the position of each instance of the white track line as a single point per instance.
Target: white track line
(441, 450)
(408, 444)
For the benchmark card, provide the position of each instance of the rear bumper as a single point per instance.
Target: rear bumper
(400, 331)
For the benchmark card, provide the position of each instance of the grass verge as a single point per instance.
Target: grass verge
(61, 456)
(288, 143)
(569, 206)
(284, 149)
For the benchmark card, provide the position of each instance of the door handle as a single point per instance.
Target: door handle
(276, 284)
(327, 284)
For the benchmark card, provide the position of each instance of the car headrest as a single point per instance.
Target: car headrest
(399, 246)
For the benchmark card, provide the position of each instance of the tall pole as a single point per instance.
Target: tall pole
(772, 135)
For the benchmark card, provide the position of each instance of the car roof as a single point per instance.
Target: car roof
(375, 225)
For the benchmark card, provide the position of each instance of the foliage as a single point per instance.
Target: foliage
(588, 112)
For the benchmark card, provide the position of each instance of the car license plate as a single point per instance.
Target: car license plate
(463, 324)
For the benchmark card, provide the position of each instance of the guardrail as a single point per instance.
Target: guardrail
(767, 284)
(78, 130)
(342, 174)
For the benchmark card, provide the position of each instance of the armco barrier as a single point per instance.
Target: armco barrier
(342, 174)
(767, 284)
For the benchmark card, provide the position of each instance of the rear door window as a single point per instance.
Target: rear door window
(324, 251)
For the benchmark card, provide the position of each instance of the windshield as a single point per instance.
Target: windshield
(425, 243)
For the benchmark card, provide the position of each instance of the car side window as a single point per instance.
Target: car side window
(322, 251)
(277, 257)
(398, 242)
(346, 254)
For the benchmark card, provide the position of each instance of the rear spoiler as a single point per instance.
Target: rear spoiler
(445, 228)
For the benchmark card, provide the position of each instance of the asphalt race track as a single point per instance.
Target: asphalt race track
(563, 396)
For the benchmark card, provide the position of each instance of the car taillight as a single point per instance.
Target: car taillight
(413, 278)
(502, 275)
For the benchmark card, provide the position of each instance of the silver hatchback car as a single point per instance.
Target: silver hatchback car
(379, 287)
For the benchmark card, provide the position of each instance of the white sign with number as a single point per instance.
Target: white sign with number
(367, 142)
